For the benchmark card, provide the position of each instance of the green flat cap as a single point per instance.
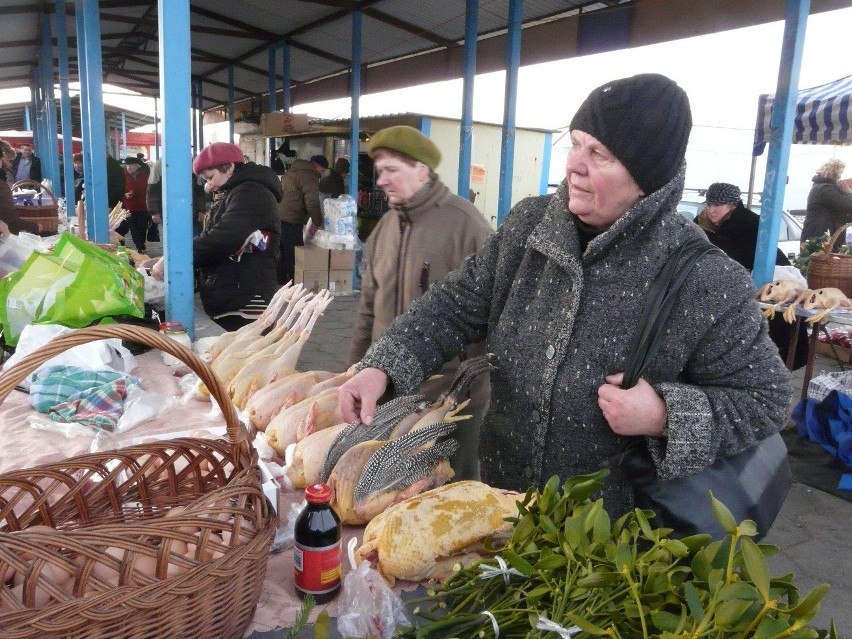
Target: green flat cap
(408, 141)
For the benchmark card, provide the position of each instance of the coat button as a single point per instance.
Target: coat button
(550, 352)
(528, 472)
(535, 416)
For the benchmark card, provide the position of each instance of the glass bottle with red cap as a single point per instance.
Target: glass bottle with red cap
(316, 556)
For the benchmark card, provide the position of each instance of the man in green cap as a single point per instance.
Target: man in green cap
(427, 233)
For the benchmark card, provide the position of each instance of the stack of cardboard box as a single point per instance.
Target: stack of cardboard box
(319, 268)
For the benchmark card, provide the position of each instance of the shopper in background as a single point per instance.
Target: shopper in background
(235, 282)
(427, 233)
(558, 291)
(26, 166)
(154, 198)
(333, 184)
(10, 221)
(134, 201)
(300, 204)
(733, 228)
(829, 202)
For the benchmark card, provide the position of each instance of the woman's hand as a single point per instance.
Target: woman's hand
(634, 411)
(4, 229)
(156, 219)
(356, 399)
(158, 270)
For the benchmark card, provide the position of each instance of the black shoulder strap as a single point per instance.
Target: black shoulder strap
(658, 306)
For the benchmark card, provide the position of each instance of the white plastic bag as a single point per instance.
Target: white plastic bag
(368, 607)
(104, 354)
(789, 273)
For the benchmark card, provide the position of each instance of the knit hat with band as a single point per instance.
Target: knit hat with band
(723, 193)
(217, 154)
(644, 121)
(408, 141)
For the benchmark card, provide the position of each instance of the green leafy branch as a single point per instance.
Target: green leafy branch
(625, 579)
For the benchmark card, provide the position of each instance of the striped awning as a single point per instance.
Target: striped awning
(822, 116)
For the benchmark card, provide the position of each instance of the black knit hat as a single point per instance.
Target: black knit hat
(644, 121)
(723, 193)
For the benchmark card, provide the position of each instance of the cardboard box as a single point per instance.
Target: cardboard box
(340, 260)
(340, 280)
(843, 355)
(311, 258)
(280, 123)
(313, 280)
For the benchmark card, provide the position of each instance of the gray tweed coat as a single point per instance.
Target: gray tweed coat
(559, 321)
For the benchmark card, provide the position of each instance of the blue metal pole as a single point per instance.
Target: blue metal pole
(355, 92)
(123, 135)
(513, 63)
(780, 136)
(65, 106)
(50, 160)
(156, 129)
(200, 115)
(545, 163)
(271, 102)
(173, 17)
(97, 207)
(355, 129)
(285, 78)
(194, 110)
(466, 133)
(27, 124)
(81, 72)
(231, 103)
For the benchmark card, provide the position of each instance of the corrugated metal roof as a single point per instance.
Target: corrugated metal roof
(225, 32)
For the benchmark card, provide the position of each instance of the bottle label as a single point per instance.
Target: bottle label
(317, 569)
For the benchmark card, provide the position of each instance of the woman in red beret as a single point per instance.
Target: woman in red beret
(235, 281)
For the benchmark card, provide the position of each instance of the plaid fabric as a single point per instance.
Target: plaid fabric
(821, 385)
(73, 394)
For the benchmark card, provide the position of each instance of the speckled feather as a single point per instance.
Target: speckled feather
(387, 416)
(400, 463)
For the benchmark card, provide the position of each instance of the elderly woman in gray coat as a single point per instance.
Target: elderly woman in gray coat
(557, 293)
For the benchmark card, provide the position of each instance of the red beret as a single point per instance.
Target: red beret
(217, 154)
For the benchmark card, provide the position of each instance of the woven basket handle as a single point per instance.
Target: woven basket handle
(21, 183)
(828, 246)
(9, 378)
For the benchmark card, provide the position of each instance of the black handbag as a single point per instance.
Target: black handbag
(752, 484)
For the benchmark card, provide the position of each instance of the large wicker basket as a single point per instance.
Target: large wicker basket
(161, 540)
(46, 215)
(831, 270)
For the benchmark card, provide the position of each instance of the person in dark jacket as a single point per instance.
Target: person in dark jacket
(154, 197)
(333, 184)
(557, 293)
(26, 166)
(10, 221)
(829, 202)
(134, 201)
(236, 280)
(733, 228)
(300, 204)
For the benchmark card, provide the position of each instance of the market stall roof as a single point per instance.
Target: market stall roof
(404, 43)
(12, 117)
(823, 115)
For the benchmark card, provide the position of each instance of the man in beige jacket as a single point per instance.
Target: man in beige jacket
(427, 233)
(299, 204)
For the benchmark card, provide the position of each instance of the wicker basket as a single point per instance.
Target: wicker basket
(831, 270)
(114, 563)
(46, 215)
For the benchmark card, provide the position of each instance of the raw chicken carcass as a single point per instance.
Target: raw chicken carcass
(825, 300)
(780, 292)
(305, 458)
(422, 537)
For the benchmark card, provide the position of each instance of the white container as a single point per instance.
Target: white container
(177, 332)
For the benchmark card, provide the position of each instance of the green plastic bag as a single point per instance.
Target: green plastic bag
(76, 285)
